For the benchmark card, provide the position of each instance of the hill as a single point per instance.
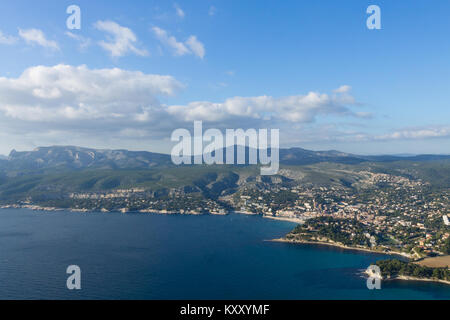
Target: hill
(57, 172)
(71, 157)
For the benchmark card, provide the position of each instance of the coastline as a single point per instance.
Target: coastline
(195, 213)
(338, 245)
(295, 220)
(247, 213)
(408, 278)
(169, 212)
(123, 210)
(282, 240)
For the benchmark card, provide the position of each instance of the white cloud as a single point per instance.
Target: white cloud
(417, 133)
(178, 48)
(83, 42)
(76, 105)
(73, 105)
(65, 93)
(334, 133)
(191, 46)
(5, 39)
(291, 109)
(364, 115)
(122, 40)
(343, 89)
(36, 36)
(179, 11)
(196, 46)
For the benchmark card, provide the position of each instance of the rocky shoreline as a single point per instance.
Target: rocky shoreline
(408, 278)
(124, 210)
(338, 245)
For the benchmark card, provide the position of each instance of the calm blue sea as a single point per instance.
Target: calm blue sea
(146, 256)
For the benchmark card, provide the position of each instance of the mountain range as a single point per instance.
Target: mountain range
(72, 157)
(49, 174)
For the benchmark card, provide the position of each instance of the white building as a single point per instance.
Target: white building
(446, 222)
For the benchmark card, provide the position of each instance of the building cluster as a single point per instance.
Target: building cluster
(410, 215)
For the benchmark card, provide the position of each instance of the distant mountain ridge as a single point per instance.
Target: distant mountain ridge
(72, 157)
(54, 173)
(78, 157)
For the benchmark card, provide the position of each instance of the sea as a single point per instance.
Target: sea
(150, 256)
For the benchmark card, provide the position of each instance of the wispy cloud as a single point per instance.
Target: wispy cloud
(191, 46)
(122, 40)
(343, 89)
(417, 133)
(179, 11)
(334, 133)
(83, 42)
(178, 48)
(196, 46)
(212, 11)
(6, 39)
(37, 37)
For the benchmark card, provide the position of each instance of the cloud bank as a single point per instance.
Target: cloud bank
(63, 101)
(65, 93)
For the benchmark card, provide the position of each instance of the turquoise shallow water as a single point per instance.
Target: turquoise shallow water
(137, 256)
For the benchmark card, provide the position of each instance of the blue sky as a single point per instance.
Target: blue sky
(310, 68)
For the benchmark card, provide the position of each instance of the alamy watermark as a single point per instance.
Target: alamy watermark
(374, 20)
(191, 149)
(74, 280)
(73, 22)
(374, 279)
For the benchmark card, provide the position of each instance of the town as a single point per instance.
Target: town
(381, 212)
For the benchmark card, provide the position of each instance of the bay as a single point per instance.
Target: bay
(149, 256)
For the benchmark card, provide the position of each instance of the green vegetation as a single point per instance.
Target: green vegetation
(393, 268)
(346, 232)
